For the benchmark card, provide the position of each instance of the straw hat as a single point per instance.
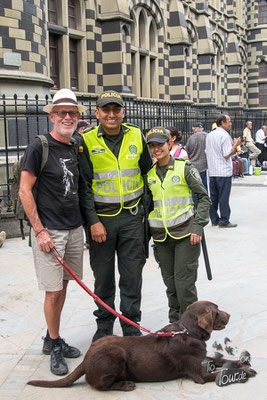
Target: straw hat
(64, 97)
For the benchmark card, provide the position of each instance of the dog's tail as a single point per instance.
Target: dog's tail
(64, 382)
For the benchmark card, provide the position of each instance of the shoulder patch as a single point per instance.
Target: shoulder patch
(88, 130)
(195, 174)
(184, 160)
(128, 124)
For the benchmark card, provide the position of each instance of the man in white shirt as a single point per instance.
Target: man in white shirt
(219, 149)
(254, 152)
(261, 136)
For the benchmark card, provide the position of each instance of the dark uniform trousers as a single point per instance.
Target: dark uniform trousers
(125, 237)
(178, 262)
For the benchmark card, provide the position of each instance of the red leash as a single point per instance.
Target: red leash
(71, 273)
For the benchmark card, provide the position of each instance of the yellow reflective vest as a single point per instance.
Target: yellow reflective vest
(116, 182)
(173, 203)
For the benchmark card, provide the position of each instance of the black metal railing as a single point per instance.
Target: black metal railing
(21, 119)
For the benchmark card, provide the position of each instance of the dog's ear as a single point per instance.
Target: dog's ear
(205, 320)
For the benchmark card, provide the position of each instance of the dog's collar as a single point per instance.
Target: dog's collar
(184, 330)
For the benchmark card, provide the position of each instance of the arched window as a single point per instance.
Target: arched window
(66, 43)
(152, 36)
(218, 78)
(262, 12)
(72, 14)
(243, 77)
(142, 30)
(144, 53)
(124, 56)
(52, 11)
(217, 74)
(133, 28)
(263, 94)
(263, 70)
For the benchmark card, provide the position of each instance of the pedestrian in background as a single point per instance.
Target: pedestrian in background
(254, 152)
(55, 218)
(175, 227)
(177, 150)
(195, 148)
(2, 233)
(219, 151)
(114, 158)
(261, 136)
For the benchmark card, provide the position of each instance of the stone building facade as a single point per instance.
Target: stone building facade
(204, 52)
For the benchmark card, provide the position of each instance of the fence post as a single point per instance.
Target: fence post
(9, 208)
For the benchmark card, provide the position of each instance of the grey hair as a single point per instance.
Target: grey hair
(248, 122)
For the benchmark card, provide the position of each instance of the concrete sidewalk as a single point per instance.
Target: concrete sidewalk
(239, 286)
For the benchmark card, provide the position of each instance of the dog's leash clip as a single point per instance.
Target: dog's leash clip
(183, 332)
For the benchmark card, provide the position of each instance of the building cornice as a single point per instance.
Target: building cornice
(8, 74)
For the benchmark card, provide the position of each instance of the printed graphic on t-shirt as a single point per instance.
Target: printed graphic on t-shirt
(67, 180)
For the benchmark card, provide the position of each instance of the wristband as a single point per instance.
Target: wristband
(41, 230)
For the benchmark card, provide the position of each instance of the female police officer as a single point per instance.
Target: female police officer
(175, 226)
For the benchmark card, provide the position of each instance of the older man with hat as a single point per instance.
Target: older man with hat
(175, 227)
(55, 217)
(114, 159)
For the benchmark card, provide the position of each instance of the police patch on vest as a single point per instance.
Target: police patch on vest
(98, 151)
(176, 179)
(133, 149)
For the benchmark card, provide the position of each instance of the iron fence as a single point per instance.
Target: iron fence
(21, 119)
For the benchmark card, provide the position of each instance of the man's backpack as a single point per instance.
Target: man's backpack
(16, 202)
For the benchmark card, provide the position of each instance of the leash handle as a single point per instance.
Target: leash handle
(62, 262)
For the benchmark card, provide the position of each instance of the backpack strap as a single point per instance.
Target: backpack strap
(45, 149)
(76, 146)
(178, 151)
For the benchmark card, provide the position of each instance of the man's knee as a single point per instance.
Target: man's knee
(54, 297)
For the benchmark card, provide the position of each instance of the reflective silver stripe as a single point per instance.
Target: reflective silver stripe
(117, 199)
(171, 222)
(107, 199)
(157, 203)
(173, 201)
(130, 172)
(106, 175)
(134, 195)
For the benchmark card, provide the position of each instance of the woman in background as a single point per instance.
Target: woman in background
(177, 150)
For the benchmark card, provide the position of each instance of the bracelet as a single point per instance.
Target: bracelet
(41, 230)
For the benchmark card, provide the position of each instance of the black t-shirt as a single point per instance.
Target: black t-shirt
(57, 195)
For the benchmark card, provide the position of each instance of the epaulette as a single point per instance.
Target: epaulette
(185, 160)
(88, 129)
(128, 124)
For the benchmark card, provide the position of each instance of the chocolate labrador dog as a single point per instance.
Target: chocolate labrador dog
(115, 363)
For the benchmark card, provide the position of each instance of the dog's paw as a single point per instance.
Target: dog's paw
(250, 371)
(124, 386)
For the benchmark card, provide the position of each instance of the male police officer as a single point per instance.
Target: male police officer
(113, 160)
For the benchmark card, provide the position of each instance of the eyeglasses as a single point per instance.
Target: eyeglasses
(62, 114)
